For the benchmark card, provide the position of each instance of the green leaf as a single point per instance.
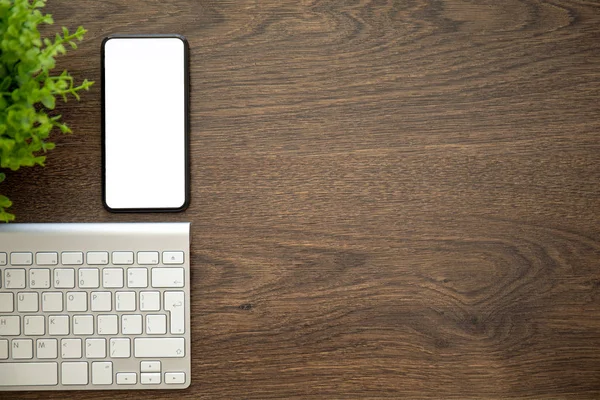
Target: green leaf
(48, 101)
(48, 146)
(5, 216)
(5, 84)
(5, 202)
(64, 128)
(2, 176)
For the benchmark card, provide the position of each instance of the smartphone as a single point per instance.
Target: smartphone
(145, 123)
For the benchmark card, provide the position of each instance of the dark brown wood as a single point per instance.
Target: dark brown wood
(390, 199)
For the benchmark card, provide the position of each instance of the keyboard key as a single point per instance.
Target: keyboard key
(14, 278)
(34, 325)
(150, 378)
(64, 278)
(83, 325)
(95, 348)
(120, 348)
(74, 373)
(175, 304)
(89, 278)
(46, 258)
(150, 366)
(172, 257)
(107, 325)
(21, 258)
(58, 325)
(47, 349)
(39, 278)
(27, 302)
(150, 301)
(3, 349)
(22, 349)
(72, 258)
(52, 301)
(102, 373)
(28, 374)
(125, 301)
(167, 277)
(122, 257)
(112, 277)
(147, 257)
(131, 324)
(6, 303)
(156, 324)
(137, 277)
(77, 301)
(159, 347)
(3, 260)
(174, 377)
(126, 378)
(101, 301)
(97, 257)
(71, 348)
(10, 325)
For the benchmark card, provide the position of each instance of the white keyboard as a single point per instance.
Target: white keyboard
(94, 306)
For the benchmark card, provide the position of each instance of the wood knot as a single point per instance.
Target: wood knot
(246, 306)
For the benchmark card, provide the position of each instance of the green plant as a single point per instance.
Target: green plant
(27, 89)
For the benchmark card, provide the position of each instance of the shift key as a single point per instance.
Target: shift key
(159, 347)
(167, 277)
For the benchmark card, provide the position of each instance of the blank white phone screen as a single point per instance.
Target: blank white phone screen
(144, 131)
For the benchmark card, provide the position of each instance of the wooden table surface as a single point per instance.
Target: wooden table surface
(390, 199)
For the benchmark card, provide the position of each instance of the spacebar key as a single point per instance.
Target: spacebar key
(28, 374)
(159, 347)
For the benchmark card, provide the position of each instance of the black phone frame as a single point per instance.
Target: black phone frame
(186, 74)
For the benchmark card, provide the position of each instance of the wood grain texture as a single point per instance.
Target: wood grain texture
(391, 199)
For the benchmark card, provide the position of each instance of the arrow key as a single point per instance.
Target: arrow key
(175, 377)
(126, 378)
(150, 378)
(150, 366)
